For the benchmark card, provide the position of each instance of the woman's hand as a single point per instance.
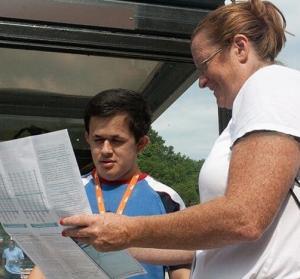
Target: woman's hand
(106, 232)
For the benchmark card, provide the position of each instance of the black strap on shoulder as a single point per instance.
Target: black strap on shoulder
(294, 195)
(169, 204)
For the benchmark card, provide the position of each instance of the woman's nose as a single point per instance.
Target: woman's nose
(202, 81)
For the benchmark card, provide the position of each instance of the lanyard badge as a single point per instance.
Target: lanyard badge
(125, 198)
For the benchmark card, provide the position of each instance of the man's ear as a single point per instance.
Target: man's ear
(86, 136)
(143, 142)
(241, 46)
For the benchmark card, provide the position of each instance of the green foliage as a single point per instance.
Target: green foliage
(173, 169)
(4, 243)
(3, 234)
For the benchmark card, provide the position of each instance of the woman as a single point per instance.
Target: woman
(248, 223)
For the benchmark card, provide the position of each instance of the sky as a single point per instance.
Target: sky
(194, 134)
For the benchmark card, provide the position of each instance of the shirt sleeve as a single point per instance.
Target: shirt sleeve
(21, 254)
(270, 101)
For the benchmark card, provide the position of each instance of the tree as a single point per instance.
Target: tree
(173, 169)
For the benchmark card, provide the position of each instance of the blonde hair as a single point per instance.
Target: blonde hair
(260, 21)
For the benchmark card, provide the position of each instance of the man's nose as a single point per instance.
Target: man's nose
(106, 147)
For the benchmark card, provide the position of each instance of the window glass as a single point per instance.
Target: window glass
(47, 91)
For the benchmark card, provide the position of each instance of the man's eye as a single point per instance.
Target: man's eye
(116, 141)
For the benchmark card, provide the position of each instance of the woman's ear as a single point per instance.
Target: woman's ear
(142, 143)
(241, 46)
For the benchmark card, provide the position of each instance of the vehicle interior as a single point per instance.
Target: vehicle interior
(56, 54)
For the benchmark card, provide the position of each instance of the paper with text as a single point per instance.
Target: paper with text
(39, 183)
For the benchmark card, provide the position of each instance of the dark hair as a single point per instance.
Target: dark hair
(260, 21)
(111, 102)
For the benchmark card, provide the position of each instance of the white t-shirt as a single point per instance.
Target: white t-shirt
(269, 100)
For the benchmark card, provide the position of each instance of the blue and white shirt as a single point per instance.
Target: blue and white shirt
(149, 197)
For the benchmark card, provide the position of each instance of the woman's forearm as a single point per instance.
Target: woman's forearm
(210, 225)
(162, 256)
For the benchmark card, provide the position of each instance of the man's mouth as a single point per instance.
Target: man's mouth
(107, 163)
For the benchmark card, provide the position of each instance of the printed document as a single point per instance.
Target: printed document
(40, 183)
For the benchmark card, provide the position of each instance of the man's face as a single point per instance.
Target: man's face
(11, 244)
(113, 147)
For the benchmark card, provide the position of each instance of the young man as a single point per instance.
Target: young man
(12, 259)
(116, 124)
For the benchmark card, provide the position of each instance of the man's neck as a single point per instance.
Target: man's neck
(125, 179)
